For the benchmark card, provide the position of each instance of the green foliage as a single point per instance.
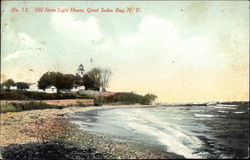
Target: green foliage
(125, 98)
(148, 98)
(129, 98)
(95, 76)
(46, 80)
(57, 79)
(78, 80)
(68, 81)
(99, 101)
(8, 108)
(92, 80)
(9, 83)
(88, 82)
(13, 107)
(27, 95)
(22, 85)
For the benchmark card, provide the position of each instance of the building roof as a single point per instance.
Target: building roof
(50, 87)
(80, 68)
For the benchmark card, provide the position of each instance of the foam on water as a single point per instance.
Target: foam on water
(167, 134)
(207, 115)
(239, 112)
(189, 131)
(223, 111)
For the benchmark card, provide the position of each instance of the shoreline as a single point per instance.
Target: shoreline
(14, 124)
(124, 149)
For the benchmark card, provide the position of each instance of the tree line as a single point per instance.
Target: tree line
(10, 82)
(93, 80)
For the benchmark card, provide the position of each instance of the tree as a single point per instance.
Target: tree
(51, 78)
(88, 82)
(79, 80)
(57, 79)
(68, 81)
(9, 83)
(95, 75)
(22, 85)
(148, 98)
(45, 81)
(106, 73)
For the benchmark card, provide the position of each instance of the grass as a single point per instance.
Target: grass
(15, 107)
(28, 95)
(8, 108)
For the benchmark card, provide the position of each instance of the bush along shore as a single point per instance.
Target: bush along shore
(14, 101)
(125, 98)
(17, 107)
(29, 95)
(49, 134)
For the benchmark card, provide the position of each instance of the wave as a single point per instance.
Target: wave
(231, 107)
(223, 111)
(173, 137)
(239, 112)
(207, 115)
(228, 105)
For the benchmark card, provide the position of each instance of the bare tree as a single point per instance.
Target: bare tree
(106, 73)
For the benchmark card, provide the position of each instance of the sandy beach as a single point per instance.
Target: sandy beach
(14, 126)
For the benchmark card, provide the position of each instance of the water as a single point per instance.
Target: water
(214, 131)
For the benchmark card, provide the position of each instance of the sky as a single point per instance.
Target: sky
(183, 51)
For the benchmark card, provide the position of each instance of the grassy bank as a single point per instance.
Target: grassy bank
(16, 107)
(28, 95)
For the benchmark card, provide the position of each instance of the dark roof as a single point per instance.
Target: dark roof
(50, 86)
(80, 68)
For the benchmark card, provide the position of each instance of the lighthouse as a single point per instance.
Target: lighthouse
(80, 71)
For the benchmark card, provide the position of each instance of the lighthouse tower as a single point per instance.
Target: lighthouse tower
(80, 71)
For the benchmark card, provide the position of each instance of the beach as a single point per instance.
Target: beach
(16, 127)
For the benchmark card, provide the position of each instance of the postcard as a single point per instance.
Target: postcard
(124, 79)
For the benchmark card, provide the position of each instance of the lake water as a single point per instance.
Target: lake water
(213, 131)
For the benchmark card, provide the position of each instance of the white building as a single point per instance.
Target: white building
(51, 89)
(34, 87)
(77, 88)
(80, 71)
(13, 87)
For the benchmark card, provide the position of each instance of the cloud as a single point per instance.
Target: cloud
(14, 55)
(25, 46)
(26, 41)
(87, 30)
(160, 39)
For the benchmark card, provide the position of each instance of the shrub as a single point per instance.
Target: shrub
(8, 108)
(125, 98)
(99, 101)
(14, 107)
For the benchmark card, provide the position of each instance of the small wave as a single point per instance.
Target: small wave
(239, 112)
(224, 107)
(223, 111)
(227, 105)
(220, 107)
(207, 115)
